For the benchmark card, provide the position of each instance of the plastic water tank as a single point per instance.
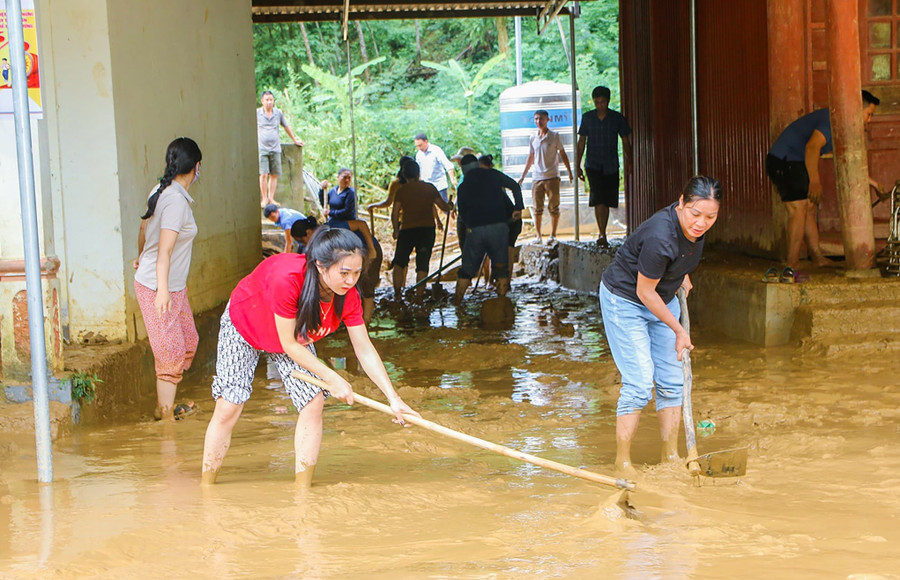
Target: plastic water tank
(517, 107)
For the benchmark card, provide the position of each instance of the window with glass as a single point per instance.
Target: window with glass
(883, 30)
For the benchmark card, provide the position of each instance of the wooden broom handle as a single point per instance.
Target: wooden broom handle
(619, 483)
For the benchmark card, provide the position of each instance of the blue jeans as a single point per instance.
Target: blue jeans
(643, 348)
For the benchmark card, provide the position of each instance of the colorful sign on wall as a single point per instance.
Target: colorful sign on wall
(31, 62)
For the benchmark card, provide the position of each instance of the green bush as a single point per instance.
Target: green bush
(84, 386)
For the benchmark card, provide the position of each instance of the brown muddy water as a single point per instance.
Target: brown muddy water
(820, 499)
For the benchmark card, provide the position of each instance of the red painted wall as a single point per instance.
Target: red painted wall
(737, 112)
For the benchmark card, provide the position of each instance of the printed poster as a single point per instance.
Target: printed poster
(31, 61)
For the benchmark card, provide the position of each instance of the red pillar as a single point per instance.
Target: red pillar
(848, 133)
(786, 27)
(786, 31)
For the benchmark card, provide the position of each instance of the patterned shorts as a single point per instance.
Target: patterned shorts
(236, 363)
(173, 336)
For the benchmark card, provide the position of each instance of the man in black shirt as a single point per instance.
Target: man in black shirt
(485, 210)
(601, 129)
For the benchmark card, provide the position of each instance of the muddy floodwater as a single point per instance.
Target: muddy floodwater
(821, 496)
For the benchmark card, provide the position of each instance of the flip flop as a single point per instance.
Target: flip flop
(771, 275)
(787, 276)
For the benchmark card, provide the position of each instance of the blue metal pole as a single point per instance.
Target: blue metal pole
(32, 247)
(518, 21)
(574, 117)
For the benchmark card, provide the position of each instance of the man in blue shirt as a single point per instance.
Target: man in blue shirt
(793, 166)
(284, 218)
(601, 129)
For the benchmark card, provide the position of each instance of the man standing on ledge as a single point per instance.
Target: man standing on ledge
(601, 128)
(793, 166)
(268, 120)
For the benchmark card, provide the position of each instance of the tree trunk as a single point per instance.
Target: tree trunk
(323, 43)
(374, 43)
(418, 41)
(362, 49)
(308, 48)
(502, 35)
(339, 46)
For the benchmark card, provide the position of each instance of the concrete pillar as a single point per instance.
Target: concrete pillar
(15, 349)
(291, 191)
(847, 131)
(15, 346)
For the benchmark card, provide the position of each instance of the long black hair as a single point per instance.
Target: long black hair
(181, 157)
(404, 161)
(301, 227)
(410, 171)
(326, 247)
(702, 187)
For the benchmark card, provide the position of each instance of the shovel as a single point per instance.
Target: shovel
(730, 463)
(621, 484)
(436, 289)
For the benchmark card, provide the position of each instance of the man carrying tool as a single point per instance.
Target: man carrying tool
(484, 208)
(413, 224)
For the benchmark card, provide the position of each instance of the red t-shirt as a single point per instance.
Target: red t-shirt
(274, 288)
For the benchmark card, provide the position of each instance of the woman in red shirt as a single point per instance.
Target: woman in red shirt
(281, 309)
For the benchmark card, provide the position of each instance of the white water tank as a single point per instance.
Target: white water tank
(517, 107)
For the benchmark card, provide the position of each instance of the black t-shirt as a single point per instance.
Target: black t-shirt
(659, 250)
(482, 200)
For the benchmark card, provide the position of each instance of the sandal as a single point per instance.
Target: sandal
(787, 276)
(771, 275)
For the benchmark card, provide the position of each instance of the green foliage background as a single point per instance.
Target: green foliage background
(402, 87)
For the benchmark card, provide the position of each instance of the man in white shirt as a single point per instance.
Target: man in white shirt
(434, 165)
(434, 168)
(544, 152)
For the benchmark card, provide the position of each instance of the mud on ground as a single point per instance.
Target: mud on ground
(821, 497)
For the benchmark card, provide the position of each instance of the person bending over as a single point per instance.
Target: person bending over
(641, 313)
(280, 309)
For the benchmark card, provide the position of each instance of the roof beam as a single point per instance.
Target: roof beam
(548, 13)
(343, 10)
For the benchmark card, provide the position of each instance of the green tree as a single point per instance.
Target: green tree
(476, 86)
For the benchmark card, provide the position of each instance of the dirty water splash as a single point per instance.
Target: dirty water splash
(821, 496)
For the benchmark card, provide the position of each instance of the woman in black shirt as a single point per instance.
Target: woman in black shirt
(640, 313)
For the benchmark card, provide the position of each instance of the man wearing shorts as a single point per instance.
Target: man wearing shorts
(601, 129)
(793, 166)
(268, 121)
(484, 208)
(544, 152)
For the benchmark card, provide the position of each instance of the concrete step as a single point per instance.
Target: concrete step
(851, 319)
(867, 344)
(835, 289)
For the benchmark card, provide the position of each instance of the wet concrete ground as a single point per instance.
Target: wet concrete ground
(821, 497)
